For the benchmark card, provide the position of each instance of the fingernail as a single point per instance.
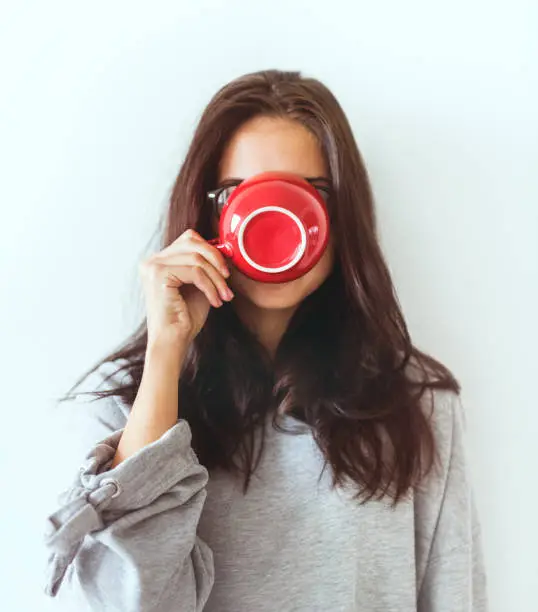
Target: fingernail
(229, 294)
(225, 272)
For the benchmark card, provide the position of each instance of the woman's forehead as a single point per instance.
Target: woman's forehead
(272, 144)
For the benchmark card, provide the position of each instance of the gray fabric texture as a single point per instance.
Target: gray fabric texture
(157, 534)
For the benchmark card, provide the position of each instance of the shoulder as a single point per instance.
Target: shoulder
(445, 414)
(449, 474)
(442, 407)
(444, 517)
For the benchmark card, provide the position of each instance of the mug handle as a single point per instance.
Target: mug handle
(225, 248)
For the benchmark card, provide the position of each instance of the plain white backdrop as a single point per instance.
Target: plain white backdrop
(98, 102)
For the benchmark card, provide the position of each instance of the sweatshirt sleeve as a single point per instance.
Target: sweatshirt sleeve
(449, 543)
(125, 538)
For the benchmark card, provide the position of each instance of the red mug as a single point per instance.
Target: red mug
(274, 227)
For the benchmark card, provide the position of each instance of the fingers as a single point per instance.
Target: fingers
(201, 281)
(197, 261)
(190, 259)
(216, 277)
(192, 241)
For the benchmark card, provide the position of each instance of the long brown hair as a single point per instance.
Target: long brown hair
(346, 365)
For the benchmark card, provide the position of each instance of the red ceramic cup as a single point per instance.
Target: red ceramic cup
(274, 227)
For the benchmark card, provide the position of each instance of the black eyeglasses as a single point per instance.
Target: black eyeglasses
(218, 197)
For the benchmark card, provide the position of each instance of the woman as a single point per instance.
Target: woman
(269, 447)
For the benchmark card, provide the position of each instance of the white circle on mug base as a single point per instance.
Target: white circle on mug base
(250, 261)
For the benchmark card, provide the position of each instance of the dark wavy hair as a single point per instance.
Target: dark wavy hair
(346, 365)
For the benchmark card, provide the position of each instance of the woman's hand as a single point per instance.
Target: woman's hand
(180, 283)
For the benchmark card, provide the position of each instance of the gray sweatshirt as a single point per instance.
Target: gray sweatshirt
(156, 534)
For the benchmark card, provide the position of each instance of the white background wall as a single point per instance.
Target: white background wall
(98, 101)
